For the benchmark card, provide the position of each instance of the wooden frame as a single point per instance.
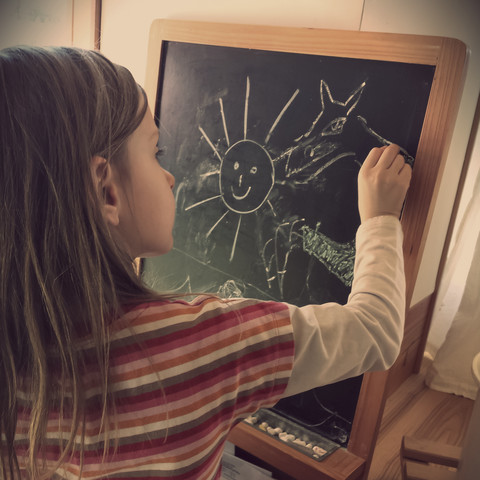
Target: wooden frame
(448, 57)
(86, 23)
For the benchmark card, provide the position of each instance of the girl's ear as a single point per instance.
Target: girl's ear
(107, 189)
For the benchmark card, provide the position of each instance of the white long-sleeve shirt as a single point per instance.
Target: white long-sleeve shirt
(334, 342)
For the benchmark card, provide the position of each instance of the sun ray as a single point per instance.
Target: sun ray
(220, 101)
(280, 115)
(201, 202)
(247, 99)
(236, 237)
(205, 136)
(216, 223)
(209, 174)
(271, 208)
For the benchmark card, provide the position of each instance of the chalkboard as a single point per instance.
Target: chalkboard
(265, 129)
(265, 148)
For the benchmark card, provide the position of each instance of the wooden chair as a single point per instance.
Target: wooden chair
(424, 459)
(427, 460)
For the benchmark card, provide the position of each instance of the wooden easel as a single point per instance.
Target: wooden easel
(448, 57)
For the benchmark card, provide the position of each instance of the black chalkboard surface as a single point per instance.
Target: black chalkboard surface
(266, 147)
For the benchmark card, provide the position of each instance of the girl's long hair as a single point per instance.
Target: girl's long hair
(62, 276)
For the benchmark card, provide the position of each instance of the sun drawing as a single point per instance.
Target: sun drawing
(246, 173)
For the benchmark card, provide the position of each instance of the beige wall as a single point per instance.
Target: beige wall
(125, 26)
(47, 22)
(30, 22)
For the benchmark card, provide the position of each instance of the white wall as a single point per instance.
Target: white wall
(125, 26)
(30, 22)
(47, 23)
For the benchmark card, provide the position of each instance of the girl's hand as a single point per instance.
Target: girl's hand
(383, 182)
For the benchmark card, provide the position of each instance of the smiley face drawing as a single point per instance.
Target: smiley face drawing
(246, 177)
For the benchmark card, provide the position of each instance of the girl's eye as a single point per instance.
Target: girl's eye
(159, 153)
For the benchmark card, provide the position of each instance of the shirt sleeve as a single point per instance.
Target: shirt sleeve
(334, 342)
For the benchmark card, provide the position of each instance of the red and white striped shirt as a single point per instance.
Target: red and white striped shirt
(183, 375)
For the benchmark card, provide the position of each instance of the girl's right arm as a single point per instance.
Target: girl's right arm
(334, 342)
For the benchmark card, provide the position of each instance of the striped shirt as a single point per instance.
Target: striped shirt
(183, 374)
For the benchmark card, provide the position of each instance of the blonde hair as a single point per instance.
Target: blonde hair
(62, 277)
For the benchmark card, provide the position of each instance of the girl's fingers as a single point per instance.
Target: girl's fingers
(398, 164)
(383, 182)
(388, 156)
(406, 173)
(384, 157)
(373, 157)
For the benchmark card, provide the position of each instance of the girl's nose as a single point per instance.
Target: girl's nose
(170, 179)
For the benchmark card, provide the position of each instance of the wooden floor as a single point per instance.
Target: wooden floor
(417, 411)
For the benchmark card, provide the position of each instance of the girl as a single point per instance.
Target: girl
(102, 377)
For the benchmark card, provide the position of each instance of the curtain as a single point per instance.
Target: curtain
(459, 307)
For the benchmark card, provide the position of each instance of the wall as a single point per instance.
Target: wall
(125, 26)
(45, 22)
